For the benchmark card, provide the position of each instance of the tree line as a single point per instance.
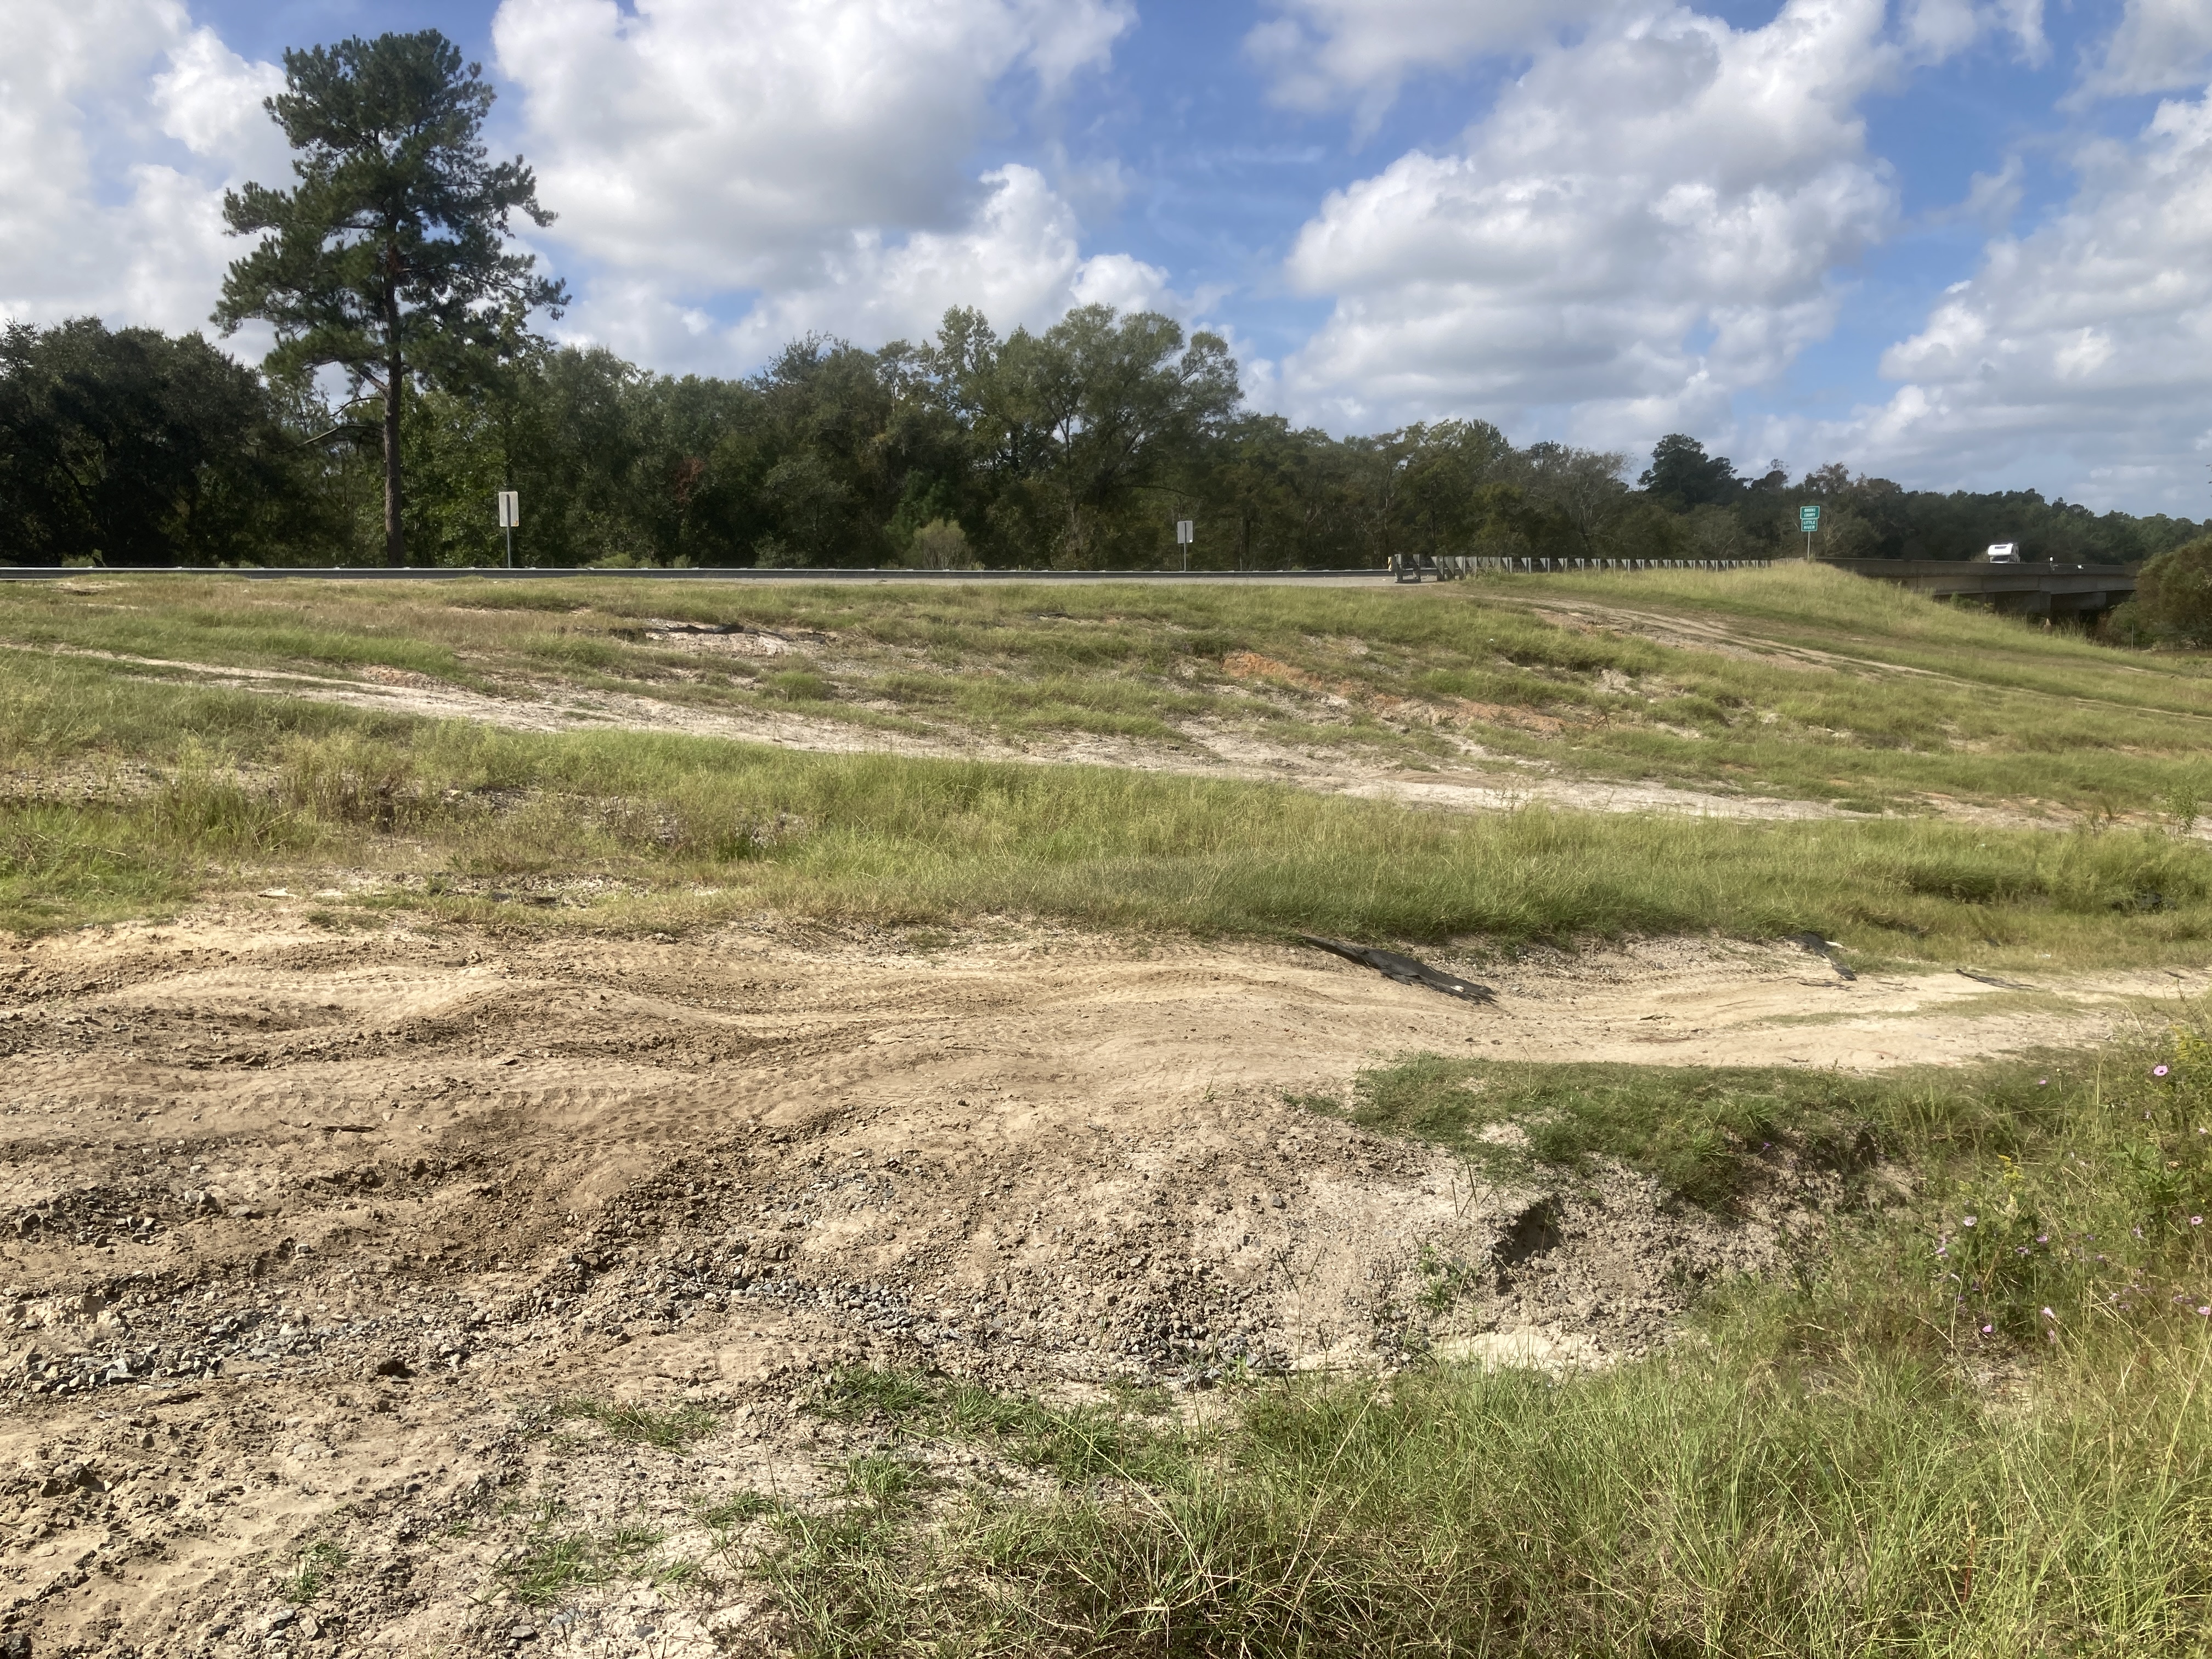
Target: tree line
(1078, 447)
(407, 387)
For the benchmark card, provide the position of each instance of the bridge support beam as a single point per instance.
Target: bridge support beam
(2083, 607)
(2033, 602)
(2070, 592)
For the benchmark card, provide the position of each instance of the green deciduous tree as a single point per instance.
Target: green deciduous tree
(1263, 482)
(1583, 489)
(1682, 475)
(1122, 399)
(1076, 420)
(390, 258)
(1079, 445)
(128, 446)
(2173, 599)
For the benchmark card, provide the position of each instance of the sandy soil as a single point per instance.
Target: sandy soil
(306, 1235)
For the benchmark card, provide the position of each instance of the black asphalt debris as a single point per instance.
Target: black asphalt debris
(1405, 970)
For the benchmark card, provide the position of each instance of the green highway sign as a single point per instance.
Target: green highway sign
(1809, 518)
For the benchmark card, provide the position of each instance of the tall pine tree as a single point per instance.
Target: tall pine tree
(390, 257)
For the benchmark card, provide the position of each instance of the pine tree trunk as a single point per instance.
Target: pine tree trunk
(395, 535)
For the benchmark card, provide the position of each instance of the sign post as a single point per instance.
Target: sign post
(1184, 537)
(1809, 520)
(510, 514)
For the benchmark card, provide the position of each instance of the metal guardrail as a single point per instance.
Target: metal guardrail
(1455, 567)
(706, 573)
(1944, 576)
(1447, 569)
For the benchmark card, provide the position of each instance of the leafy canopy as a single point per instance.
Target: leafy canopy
(1684, 475)
(2174, 597)
(129, 447)
(392, 250)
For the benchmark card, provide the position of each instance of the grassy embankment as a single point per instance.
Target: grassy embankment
(1819, 686)
(1931, 1436)
(1974, 1422)
(251, 790)
(130, 791)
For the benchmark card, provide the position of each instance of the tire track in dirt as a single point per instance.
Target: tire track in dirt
(304, 1236)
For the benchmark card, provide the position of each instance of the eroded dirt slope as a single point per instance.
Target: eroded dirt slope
(306, 1235)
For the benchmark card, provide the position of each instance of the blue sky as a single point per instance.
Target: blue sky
(1961, 243)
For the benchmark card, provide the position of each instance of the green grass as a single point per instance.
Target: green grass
(1707, 1134)
(1977, 1421)
(1820, 686)
(318, 1562)
(836, 1568)
(64, 866)
(1075, 1443)
(725, 1514)
(676, 1428)
(555, 1560)
(1712, 1135)
(844, 1572)
(172, 791)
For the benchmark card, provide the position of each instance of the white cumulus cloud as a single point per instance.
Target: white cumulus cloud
(2160, 46)
(1649, 220)
(817, 152)
(210, 99)
(1319, 53)
(120, 125)
(2078, 351)
(1932, 30)
(1018, 260)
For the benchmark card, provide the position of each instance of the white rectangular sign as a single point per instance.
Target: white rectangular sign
(510, 510)
(1183, 536)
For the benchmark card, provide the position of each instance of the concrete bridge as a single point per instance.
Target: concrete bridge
(2083, 591)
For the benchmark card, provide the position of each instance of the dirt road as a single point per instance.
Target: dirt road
(309, 1235)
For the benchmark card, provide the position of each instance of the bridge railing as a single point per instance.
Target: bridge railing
(1457, 567)
(1979, 570)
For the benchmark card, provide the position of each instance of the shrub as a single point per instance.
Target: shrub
(2173, 596)
(940, 545)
